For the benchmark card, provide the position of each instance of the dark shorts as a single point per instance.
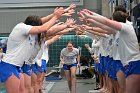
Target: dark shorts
(67, 67)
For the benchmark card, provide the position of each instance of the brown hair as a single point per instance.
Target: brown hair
(34, 21)
(120, 8)
(70, 42)
(120, 16)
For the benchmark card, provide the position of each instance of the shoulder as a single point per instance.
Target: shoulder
(126, 27)
(75, 49)
(22, 26)
(63, 50)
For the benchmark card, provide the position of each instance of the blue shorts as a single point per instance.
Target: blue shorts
(102, 68)
(67, 67)
(6, 70)
(105, 60)
(133, 68)
(113, 70)
(96, 66)
(26, 69)
(34, 68)
(109, 67)
(117, 65)
(43, 66)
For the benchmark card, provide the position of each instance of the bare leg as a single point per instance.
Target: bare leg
(39, 80)
(73, 79)
(22, 87)
(110, 85)
(121, 81)
(42, 79)
(68, 77)
(102, 83)
(107, 84)
(34, 83)
(12, 84)
(27, 81)
(115, 86)
(132, 82)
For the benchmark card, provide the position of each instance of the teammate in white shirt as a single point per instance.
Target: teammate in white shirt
(18, 48)
(48, 40)
(44, 59)
(128, 46)
(94, 51)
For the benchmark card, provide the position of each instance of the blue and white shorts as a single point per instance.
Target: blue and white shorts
(6, 70)
(133, 68)
(26, 69)
(34, 68)
(43, 66)
(67, 67)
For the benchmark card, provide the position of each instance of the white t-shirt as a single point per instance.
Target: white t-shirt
(109, 47)
(116, 55)
(95, 45)
(18, 45)
(69, 57)
(40, 52)
(34, 50)
(45, 54)
(102, 46)
(128, 44)
(106, 44)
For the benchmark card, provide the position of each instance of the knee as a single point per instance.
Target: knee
(73, 77)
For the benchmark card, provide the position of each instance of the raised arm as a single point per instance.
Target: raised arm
(53, 39)
(89, 48)
(57, 28)
(46, 26)
(96, 33)
(113, 24)
(64, 31)
(46, 18)
(104, 28)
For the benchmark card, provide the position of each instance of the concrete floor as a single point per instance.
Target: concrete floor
(83, 86)
(60, 86)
